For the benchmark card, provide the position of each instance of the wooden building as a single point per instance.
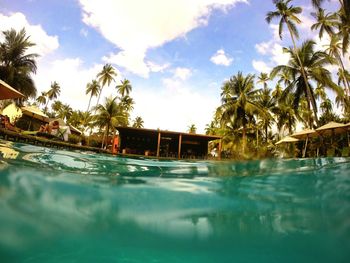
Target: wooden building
(167, 144)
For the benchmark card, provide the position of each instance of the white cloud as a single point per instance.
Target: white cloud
(221, 58)
(279, 57)
(182, 73)
(156, 67)
(261, 66)
(275, 54)
(45, 44)
(263, 47)
(150, 25)
(175, 107)
(72, 77)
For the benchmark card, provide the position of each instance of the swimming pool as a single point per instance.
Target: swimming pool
(61, 206)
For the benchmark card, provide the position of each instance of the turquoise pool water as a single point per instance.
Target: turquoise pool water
(66, 206)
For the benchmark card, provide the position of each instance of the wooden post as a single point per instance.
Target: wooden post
(158, 144)
(179, 148)
(304, 153)
(219, 151)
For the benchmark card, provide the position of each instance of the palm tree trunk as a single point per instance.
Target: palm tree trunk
(346, 82)
(244, 139)
(46, 105)
(98, 99)
(89, 103)
(308, 89)
(106, 136)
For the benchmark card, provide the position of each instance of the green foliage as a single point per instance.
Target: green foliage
(95, 141)
(74, 139)
(16, 65)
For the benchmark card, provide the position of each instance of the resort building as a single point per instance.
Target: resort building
(166, 144)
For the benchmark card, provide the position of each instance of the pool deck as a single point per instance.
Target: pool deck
(42, 141)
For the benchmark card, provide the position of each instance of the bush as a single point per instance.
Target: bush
(74, 139)
(95, 141)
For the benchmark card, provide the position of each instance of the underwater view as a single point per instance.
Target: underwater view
(66, 206)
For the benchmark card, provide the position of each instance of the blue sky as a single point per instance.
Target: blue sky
(176, 53)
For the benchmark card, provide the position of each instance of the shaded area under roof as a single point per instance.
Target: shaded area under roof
(160, 143)
(7, 92)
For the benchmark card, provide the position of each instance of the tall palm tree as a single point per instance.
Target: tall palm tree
(343, 26)
(106, 76)
(124, 88)
(192, 129)
(56, 106)
(16, 66)
(138, 122)
(285, 115)
(239, 103)
(127, 103)
(263, 78)
(87, 121)
(325, 22)
(42, 98)
(333, 50)
(317, 3)
(92, 88)
(109, 115)
(65, 112)
(307, 64)
(53, 92)
(210, 129)
(288, 16)
(268, 104)
(277, 92)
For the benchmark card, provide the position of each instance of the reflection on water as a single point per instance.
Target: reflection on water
(59, 206)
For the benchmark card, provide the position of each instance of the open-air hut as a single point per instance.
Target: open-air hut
(32, 118)
(168, 144)
(305, 135)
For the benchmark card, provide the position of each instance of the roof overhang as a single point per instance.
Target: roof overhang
(170, 134)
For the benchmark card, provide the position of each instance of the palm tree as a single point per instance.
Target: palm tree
(192, 129)
(87, 121)
(263, 78)
(334, 51)
(288, 16)
(109, 115)
(41, 99)
(325, 22)
(343, 26)
(56, 106)
(285, 115)
(210, 129)
(307, 64)
(317, 3)
(16, 66)
(277, 92)
(138, 122)
(92, 88)
(75, 118)
(65, 112)
(326, 106)
(127, 103)
(106, 76)
(124, 88)
(53, 92)
(239, 103)
(268, 104)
